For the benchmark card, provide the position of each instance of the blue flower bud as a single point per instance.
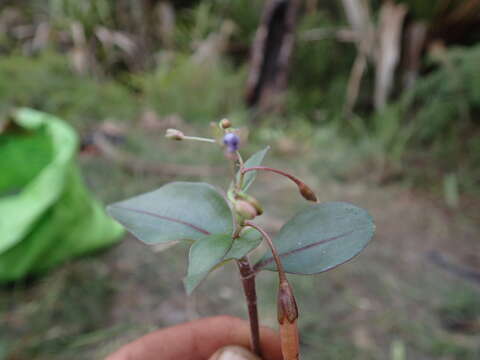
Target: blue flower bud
(231, 141)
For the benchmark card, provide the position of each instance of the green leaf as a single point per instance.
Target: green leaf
(255, 160)
(321, 237)
(176, 211)
(208, 254)
(249, 239)
(204, 255)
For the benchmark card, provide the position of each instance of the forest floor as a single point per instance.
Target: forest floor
(391, 302)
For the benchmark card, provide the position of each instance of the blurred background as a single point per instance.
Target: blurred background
(372, 102)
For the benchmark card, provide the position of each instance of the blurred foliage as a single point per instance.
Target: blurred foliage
(47, 83)
(434, 9)
(195, 24)
(318, 82)
(199, 92)
(461, 312)
(244, 14)
(452, 91)
(89, 13)
(434, 122)
(440, 115)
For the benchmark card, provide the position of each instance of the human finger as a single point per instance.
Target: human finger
(198, 340)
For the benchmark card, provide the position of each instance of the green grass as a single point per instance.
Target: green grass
(47, 83)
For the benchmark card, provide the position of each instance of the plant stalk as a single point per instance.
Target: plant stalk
(248, 281)
(276, 257)
(197, 138)
(286, 304)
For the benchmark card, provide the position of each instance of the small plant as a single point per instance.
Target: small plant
(221, 229)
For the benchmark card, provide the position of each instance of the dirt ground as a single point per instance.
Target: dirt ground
(391, 302)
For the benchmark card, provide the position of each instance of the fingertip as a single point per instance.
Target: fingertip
(239, 334)
(270, 343)
(199, 340)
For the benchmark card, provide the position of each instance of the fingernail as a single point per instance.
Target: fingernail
(234, 353)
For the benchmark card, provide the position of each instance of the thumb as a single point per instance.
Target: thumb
(233, 353)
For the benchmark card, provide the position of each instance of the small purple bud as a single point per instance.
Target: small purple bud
(231, 141)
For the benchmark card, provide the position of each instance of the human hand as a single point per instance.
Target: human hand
(198, 340)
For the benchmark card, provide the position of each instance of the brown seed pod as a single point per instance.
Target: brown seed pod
(307, 192)
(225, 123)
(287, 318)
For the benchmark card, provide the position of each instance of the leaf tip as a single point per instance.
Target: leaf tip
(189, 284)
(110, 210)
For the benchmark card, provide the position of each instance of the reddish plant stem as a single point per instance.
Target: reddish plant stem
(248, 282)
(277, 171)
(276, 257)
(304, 189)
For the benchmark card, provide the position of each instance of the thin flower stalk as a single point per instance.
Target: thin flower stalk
(304, 189)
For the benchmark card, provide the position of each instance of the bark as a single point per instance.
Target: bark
(414, 44)
(388, 52)
(271, 55)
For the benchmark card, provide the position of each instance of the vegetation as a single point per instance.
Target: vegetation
(47, 83)
(186, 62)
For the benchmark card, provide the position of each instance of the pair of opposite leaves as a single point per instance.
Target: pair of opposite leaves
(318, 238)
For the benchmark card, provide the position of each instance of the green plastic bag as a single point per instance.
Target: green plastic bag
(47, 215)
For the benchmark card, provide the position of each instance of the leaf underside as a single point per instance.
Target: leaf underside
(176, 211)
(187, 211)
(204, 255)
(320, 238)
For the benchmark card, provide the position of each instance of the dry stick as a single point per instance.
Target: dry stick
(248, 282)
(286, 304)
(304, 189)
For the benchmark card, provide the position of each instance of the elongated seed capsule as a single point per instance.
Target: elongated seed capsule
(289, 340)
(287, 318)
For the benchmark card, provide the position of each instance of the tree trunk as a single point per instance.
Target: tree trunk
(271, 54)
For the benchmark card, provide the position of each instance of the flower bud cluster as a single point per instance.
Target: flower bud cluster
(247, 207)
(245, 210)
